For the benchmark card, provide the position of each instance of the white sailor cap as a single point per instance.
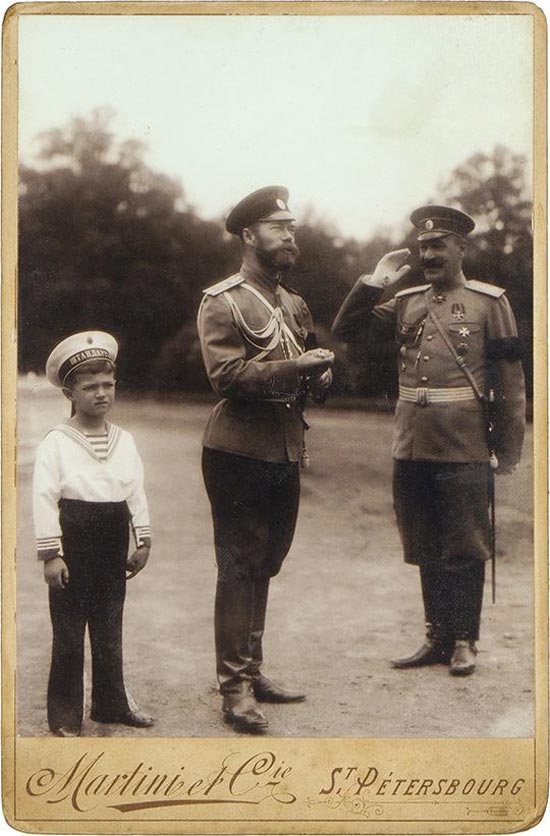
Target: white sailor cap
(77, 349)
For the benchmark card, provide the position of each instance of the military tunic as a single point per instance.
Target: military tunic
(252, 331)
(440, 442)
(438, 417)
(260, 414)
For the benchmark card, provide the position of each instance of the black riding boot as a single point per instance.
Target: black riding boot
(466, 578)
(438, 645)
(233, 611)
(234, 608)
(261, 591)
(264, 690)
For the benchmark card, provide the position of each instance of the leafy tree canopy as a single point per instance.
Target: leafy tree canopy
(108, 243)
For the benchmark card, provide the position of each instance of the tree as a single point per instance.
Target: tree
(494, 190)
(107, 243)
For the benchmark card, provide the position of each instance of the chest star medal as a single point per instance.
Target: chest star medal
(464, 332)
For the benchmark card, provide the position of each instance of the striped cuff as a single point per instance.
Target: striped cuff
(48, 544)
(140, 533)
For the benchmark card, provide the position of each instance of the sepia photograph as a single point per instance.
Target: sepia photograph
(276, 411)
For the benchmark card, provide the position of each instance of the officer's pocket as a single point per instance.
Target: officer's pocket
(464, 329)
(408, 331)
(406, 339)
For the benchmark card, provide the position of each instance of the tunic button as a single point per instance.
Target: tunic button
(426, 357)
(429, 337)
(424, 379)
(287, 405)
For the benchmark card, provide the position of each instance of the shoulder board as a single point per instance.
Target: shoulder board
(483, 287)
(226, 284)
(408, 290)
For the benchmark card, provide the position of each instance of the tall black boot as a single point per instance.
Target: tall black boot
(466, 579)
(438, 644)
(234, 607)
(264, 689)
(261, 591)
(241, 709)
(233, 615)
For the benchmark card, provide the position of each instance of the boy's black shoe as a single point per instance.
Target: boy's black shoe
(66, 731)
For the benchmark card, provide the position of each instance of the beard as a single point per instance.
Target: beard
(279, 258)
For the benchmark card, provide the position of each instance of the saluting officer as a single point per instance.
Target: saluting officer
(255, 335)
(458, 350)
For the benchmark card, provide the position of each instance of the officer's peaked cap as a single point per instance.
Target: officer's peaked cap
(74, 351)
(437, 221)
(269, 202)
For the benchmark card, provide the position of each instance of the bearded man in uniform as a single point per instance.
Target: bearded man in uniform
(256, 337)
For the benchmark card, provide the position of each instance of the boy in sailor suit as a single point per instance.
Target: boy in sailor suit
(87, 491)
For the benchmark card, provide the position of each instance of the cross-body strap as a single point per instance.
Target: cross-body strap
(460, 361)
(487, 404)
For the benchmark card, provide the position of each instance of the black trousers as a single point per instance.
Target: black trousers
(442, 516)
(95, 543)
(254, 511)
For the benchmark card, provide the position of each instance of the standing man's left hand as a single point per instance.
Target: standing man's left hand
(137, 561)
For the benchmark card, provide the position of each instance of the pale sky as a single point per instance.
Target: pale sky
(360, 116)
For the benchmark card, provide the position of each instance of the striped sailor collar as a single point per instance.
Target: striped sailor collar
(77, 435)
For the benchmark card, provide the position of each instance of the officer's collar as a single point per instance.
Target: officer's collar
(260, 277)
(458, 282)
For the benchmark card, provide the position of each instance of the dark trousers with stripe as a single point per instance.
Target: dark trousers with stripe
(442, 515)
(95, 539)
(254, 511)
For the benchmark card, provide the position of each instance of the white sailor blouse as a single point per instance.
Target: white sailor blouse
(69, 466)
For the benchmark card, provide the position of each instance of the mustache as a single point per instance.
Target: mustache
(291, 248)
(432, 263)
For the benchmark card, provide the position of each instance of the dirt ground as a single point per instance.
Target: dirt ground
(343, 605)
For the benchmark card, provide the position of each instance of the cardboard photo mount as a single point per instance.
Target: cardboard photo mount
(270, 785)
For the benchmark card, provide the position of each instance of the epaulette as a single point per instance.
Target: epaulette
(483, 287)
(225, 284)
(408, 290)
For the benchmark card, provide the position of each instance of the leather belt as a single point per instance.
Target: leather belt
(289, 400)
(424, 396)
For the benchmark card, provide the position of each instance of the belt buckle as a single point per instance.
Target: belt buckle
(422, 396)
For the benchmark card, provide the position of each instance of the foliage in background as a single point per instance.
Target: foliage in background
(106, 243)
